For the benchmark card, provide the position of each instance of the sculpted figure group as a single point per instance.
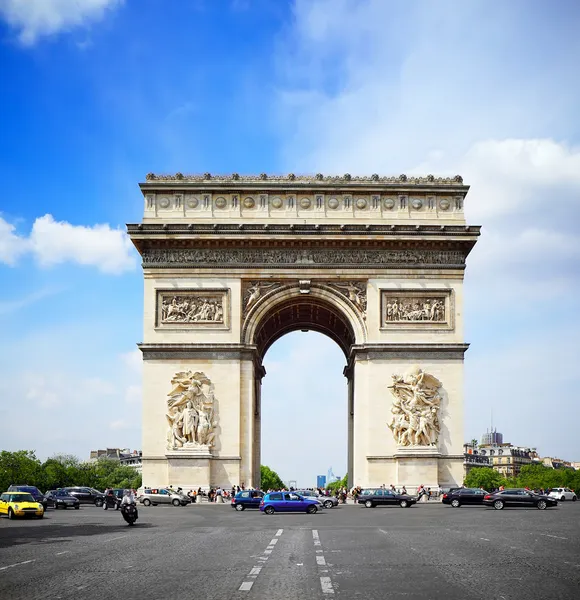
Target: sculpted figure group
(407, 309)
(191, 412)
(415, 409)
(189, 309)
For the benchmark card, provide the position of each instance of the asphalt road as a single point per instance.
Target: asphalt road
(211, 551)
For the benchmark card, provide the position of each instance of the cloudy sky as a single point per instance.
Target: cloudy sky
(95, 94)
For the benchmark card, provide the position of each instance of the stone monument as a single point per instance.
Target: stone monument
(232, 263)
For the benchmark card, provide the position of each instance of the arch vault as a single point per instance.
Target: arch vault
(231, 264)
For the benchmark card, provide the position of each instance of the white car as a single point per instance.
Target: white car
(563, 494)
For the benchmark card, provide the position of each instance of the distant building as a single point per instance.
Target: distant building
(125, 456)
(507, 459)
(491, 437)
(556, 463)
(575, 465)
(472, 458)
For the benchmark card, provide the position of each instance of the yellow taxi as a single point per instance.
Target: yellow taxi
(20, 504)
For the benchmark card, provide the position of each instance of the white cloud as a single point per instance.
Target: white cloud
(55, 242)
(12, 246)
(39, 18)
(11, 306)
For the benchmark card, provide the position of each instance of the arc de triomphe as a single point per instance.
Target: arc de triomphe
(233, 263)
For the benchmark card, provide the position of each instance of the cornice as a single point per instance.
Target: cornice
(407, 351)
(291, 179)
(139, 230)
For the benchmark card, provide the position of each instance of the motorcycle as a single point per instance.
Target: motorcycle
(129, 512)
(111, 501)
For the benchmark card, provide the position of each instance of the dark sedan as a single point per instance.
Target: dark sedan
(86, 495)
(518, 498)
(247, 499)
(464, 496)
(61, 499)
(372, 498)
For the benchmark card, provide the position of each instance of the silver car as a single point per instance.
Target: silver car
(326, 501)
(157, 496)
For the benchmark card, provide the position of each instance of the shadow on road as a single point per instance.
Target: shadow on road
(58, 533)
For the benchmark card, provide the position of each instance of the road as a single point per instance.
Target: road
(211, 551)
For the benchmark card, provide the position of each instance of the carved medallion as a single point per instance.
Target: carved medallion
(249, 202)
(192, 308)
(415, 409)
(191, 413)
(221, 202)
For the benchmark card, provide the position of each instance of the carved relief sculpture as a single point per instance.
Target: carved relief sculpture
(254, 291)
(191, 412)
(399, 310)
(192, 307)
(415, 409)
(355, 291)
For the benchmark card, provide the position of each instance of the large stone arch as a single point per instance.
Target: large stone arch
(233, 263)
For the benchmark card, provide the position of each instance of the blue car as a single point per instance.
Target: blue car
(288, 502)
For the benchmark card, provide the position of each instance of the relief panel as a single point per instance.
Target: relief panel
(413, 309)
(207, 308)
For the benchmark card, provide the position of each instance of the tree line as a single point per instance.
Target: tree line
(534, 477)
(64, 470)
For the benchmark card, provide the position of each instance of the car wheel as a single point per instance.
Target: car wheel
(573, 498)
(369, 504)
(10, 513)
(240, 507)
(455, 503)
(404, 504)
(146, 502)
(312, 509)
(541, 505)
(328, 504)
(176, 502)
(269, 510)
(98, 503)
(498, 504)
(562, 498)
(77, 507)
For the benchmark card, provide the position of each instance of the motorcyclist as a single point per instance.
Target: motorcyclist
(110, 499)
(129, 498)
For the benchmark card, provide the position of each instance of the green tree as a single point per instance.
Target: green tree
(336, 485)
(484, 477)
(270, 480)
(20, 467)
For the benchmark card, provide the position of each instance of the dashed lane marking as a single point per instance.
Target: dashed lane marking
(326, 585)
(65, 552)
(558, 537)
(279, 532)
(113, 539)
(320, 560)
(24, 562)
(246, 586)
(325, 581)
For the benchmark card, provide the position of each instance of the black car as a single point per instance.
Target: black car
(32, 490)
(372, 498)
(112, 499)
(464, 496)
(518, 498)
(86, 495)
(247, 499)
(62, 499)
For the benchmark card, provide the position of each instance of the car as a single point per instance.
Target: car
(464, 496)
(20, 504)
(563, 494)
(157, 496)
(86, 495)
(32, 490)
(518, 497)
(373, 497)
(326, 501)
(289, 502)
(62, 499)
(247, 499)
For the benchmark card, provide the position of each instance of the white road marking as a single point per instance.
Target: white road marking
(273, 542)
(326, 585)
(320, 560)
(255, 571)
(315, 537)
(113, 539)
(267, 551)
(484, 539)
(553, 536)
(25, 562)
(246, 586)
(65, 552)
(279, 532)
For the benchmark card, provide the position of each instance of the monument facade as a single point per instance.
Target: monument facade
(233, 263)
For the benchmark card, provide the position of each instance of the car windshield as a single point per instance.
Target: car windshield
(30, 490)
(60, 493)
(20, 498)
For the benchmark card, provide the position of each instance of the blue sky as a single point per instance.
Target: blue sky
(95, 94)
